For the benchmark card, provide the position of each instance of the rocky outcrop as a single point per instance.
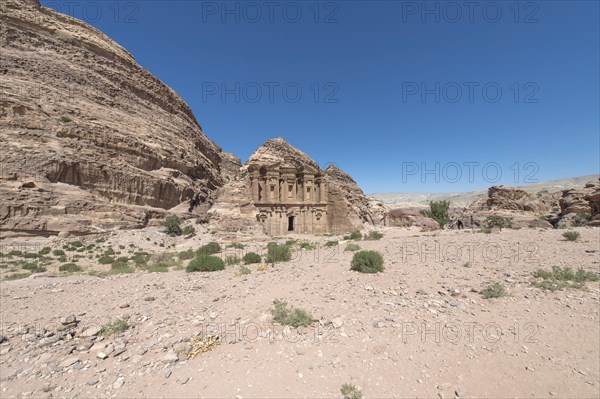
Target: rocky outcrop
(577, 205)
(102, 140)
(409, 217)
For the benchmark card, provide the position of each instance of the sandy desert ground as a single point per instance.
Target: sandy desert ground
(419, 329)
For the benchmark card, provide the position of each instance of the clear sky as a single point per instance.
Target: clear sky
(477, 93)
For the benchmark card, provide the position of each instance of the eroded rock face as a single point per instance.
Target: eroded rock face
(408, 217)
(103, 140)
(577, 207)
(285, 191)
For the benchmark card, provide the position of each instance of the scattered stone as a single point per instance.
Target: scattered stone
(101, 355)
(167, 373)
(444, 386)
(529, 368)
(171, 357)
(69, 361)
(70, 319)
(119, 383)
(148, 299)
(3, 338)
(184, 380)
(337, 322)
(126, 305)
(91, 331)
(93, 381)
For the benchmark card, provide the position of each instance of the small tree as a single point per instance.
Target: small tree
(172, 225)
(438, 211)
(499, 221)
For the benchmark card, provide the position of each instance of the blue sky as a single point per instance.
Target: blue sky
(498, 92)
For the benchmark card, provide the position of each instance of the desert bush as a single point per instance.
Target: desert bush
(582, 219)
(65, 119)
(140, 258)
(232, 260)
(14, 252)
(58, 252)
(373, 236)
(185, 255)
(352, 247)
(114, 328)
(45, 251)
(251, 257)
(307, 246)
(355, 235)
(236, 245)
(69, 268)
(438, 211)
(486, 230)
(294, 317)
(209, 249)
(16, 276)
(172, 225)
(244, 270)
(109, 251)
(571, 235)
(188, 230)
(120, 268)
(560, 278)
(278, 253)
(291, 242)
(500, 222)
(106, 259)
(494, 290)
(205, 263)
(349, 391)
(331, 244)
(33, 267)
(367, 262)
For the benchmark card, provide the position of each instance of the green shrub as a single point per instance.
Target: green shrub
(90, 247)
(117, 327)
(307, 245)
(355, 235)
(172, 225)
(278, 253)
(494, 290)
(291, 242)
(486, 230)
(236, 245)
(62, 258)
(120, 267)
(29, 255)
(16, 276)
(188, 230)
(15, 253)
(76, 244)
(349, 391)
(209, 249)
(58, 252)
(140, 258)
(109, 251)
(560, 278)
(500, 222)
(294, 317)
(352, 247)
(185, 255)
(205, 263)
(69, 268)
(45, 251)
(232, 260)
(244, 270)
(122, 259)
(65, 119)
(438, 211)
(373, 236)
(571, 235)
(582, 219)
(331, 244)
(33, 267)
(367, 262)
(105, 260)
(251, 257)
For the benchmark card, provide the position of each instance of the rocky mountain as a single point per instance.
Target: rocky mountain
(90, 139)
(465, 199)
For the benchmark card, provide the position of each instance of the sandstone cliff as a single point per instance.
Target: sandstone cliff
(101, 141)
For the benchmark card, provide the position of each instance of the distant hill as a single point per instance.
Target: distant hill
(463, 199)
